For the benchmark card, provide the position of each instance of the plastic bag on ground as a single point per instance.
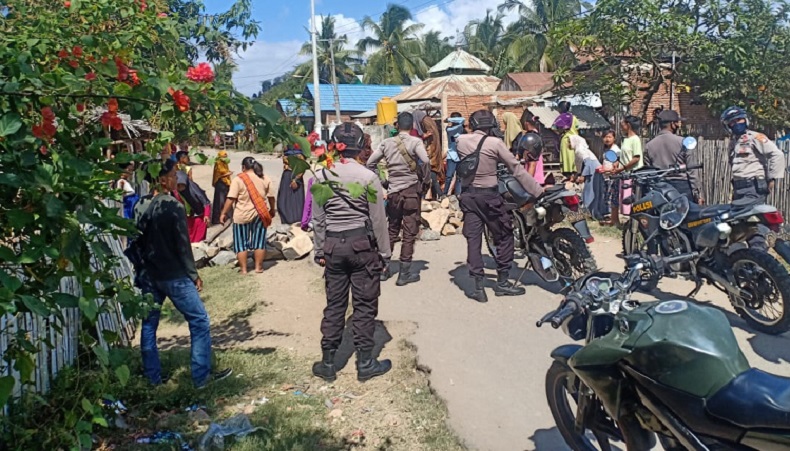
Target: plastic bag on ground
(237, 427)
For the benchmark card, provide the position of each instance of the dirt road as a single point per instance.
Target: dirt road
(487, 361)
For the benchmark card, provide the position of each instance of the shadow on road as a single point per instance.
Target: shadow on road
(548, 440)
(381, 337)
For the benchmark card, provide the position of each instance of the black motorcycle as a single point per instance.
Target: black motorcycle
(553, 253)
(665, 223)
(670, 369)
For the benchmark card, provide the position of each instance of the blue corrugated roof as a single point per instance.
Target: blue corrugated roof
(354, 97)
(291, 109)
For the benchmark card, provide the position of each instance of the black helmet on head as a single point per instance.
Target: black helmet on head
(483, 120)
(349, 134)
(530, 145)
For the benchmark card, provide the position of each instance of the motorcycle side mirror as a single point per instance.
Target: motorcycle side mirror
(611, 156)
(689, 143)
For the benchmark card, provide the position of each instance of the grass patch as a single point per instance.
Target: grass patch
(605, 231)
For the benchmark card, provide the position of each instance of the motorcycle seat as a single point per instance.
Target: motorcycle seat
(698, 212)
(754, 399)
(554, 189)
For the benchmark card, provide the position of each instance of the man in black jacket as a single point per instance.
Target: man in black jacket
(168, 270)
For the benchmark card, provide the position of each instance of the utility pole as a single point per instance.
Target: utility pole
(316, 79)
(334, 80)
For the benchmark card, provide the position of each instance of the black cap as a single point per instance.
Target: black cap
(349, 134)
(670, 116)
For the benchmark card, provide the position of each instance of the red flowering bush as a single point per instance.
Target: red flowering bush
(46, 129)
(202, 73)
(181, 100)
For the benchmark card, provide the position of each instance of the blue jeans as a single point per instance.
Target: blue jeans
(185, 297)
(451, 165)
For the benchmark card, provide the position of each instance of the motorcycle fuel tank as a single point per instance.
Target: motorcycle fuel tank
(688, 347)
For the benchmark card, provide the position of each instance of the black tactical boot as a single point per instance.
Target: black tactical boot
(368, 367)
(405, 276)
(505, 288)
(386, 273)
(479, 293)
(325, 369)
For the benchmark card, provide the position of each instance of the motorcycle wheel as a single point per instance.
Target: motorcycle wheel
(572, 257)
(632, 243)
(768, 282)
(562, 387)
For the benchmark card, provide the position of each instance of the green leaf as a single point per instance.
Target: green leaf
(267, 113)
(123, 374)
(11, 180)
(372, 194)
(321, 193)
(6, 387)
(100, 421)
(87, 406)
(89, 308)
(66, 300)
(355, 189)
(9, 124)
(35, 305)
(121, 89)
(298, 165)
(25, 365)
(102, 354)
(11, 282)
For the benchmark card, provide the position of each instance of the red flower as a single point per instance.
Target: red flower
(74, 63)
(143, 5)
(90, 76)
(181, 99)
(134, 80)
(80, 107)
(112, 106)
(340, 147)
(63, 54)
(313, 137)
(67, 4)
(110, 119)
(123, 69)
(91, 58)
(43, 150)
(77, 51)
(161, 15)
(46, 130)
(202, 73)
(318, 151)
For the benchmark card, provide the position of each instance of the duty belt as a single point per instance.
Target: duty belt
(745, 183)
(476, 190)
(360, 231)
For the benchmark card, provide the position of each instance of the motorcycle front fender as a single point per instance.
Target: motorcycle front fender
(564, 353)
(766, 441)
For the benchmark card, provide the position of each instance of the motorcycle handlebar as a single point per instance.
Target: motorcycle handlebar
(693, 167)
(566, 312)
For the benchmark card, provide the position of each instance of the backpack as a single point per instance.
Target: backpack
(467, 167)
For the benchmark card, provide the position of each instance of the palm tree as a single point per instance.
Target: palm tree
(398, 51)
(528, 38)
(484, 40)
(435, 48)
(328, 41)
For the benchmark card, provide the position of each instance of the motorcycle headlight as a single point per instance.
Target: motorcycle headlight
(674, 212)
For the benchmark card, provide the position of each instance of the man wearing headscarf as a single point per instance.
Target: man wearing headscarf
(567, 155)
(221, 183)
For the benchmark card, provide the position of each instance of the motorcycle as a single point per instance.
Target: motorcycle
(552, 253)
(670, 369)
(665, 223)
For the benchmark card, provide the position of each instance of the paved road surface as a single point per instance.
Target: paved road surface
(488, 361)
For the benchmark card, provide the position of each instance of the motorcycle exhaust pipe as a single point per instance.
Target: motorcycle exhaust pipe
(722, 281)
(783, 249)
(584, 231)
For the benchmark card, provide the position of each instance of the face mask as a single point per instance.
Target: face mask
(738, 129)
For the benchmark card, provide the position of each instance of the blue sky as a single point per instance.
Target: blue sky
(284, 26)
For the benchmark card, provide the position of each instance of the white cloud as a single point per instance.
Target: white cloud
(264, 61)
(267, 60)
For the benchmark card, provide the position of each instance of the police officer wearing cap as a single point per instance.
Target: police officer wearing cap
(409, 172)
(756, 163)
(483, 206)
(666, 151)
(351, 242)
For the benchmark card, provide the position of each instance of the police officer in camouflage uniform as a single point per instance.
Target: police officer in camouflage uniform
(756, 163)
(351, 242)
(409, 172)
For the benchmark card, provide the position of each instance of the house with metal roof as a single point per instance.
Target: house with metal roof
(533, 82)
(354, 98)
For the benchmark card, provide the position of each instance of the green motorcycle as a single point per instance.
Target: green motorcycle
(670, 369)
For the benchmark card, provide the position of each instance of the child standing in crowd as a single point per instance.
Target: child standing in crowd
(612, 186)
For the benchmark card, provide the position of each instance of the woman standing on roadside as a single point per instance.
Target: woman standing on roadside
(221, 184)
(290, 196)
